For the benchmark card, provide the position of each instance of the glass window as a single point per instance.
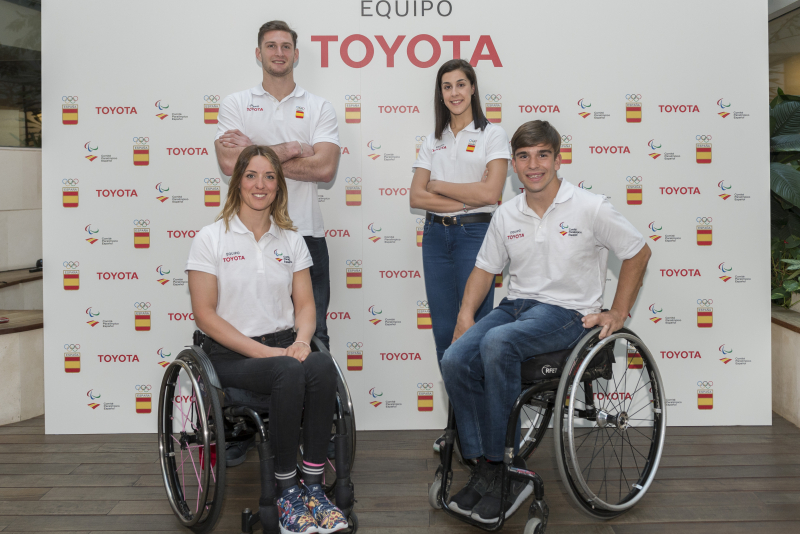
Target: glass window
(21, 73)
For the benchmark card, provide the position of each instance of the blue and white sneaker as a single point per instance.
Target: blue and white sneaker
(327, 516)
(293, 514)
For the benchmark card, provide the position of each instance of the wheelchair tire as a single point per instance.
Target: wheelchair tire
(189, 412)
(607, 427)
(538, 414)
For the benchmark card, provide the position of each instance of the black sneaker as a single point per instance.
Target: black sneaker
(236, 451)
(488, 509)
(465, 500)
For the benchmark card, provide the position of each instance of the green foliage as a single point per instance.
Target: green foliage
(784, 170)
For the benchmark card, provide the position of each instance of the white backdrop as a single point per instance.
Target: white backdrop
(695, 70)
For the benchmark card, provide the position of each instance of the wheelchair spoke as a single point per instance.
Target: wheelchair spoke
(640, 432)
(587, 437)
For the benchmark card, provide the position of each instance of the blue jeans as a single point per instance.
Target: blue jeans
(321, 283)
(482, 369)
(448, 257)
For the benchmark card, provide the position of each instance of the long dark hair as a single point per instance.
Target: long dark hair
(442, 113)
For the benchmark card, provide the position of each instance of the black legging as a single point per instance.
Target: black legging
(291, 386)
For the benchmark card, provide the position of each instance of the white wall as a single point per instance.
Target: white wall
(20, 209)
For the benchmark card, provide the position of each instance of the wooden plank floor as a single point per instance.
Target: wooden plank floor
(711, 480)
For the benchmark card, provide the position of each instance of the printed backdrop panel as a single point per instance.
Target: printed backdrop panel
(673, 132)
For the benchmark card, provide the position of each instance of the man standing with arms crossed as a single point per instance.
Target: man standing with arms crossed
(302, 129)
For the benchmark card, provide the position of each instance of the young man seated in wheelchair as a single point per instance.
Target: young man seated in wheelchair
(556, 238)
(250, 289)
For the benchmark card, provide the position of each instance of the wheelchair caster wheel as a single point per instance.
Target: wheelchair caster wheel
(352, 523)
(533, 526)
(433, 494)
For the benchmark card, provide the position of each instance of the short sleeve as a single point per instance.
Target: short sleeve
(496, 144)
(616, 233)
(425, 157)
(302, 257)
(202, 255)
(492, 256)
(229, 117)
(327, 130)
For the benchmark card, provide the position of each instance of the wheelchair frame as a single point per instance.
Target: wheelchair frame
(591, 360)
(206, 414)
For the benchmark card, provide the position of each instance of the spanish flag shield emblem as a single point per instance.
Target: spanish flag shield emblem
(72, 280)
(69, 114)
(420, 233)
(498, 280)
(424, 319)
(634, 195)
(425, 401)
(705, 399)
(703, 153)
(144, 402)
(634, 359)
(352, 113)
(141, 238)
(211, 196)
(210, 113)
(141, 155)
(141, 321)
(355, 360)
(72, 362)
(353, 278)
(566, 154)
(633, 112)
(705, 317)
(494, 112)
(352, 195)
(69, 197)
(704, 235)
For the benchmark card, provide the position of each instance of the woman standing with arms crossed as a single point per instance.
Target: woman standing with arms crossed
(458, 179)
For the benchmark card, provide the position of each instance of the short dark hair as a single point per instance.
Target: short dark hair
(442, 113)
(535, 133)
(276, 25)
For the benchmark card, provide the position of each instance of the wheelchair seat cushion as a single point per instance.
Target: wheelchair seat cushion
(544, 366)
(250, 399)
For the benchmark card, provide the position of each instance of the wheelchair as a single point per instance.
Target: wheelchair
(196, 417)
(609, 429)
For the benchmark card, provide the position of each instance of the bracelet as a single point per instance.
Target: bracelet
(301, 155)
(465, 207)
(304, 343)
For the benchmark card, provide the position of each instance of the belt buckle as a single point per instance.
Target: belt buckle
(449, 221)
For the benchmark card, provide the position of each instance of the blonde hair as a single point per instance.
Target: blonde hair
(233, 203)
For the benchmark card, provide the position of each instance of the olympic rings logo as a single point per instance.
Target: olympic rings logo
(352, 98)
(420, 220)
(704, 384)
(634, 179)
(144, 388)
(352, 180)
(72, 347)
(141, 222)
(494, 98)
(566, 138)
(141, 305)
(421, 138)
(141, 140)
(422, 303)
(70, 181)
(425, 385)
(633, 98)
(705, 302)
(353, 263)
(704, 220)
(211, 98)
(212, 181)
(71, 264)
(703, 138)
(354, 344)
(69, 99)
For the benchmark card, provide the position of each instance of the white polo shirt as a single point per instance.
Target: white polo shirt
(300, 116)
(254, 279)
(463, 158)
(560, 258)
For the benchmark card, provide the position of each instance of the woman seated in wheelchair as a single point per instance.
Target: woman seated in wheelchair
(251, 294)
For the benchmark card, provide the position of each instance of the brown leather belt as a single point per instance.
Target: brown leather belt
(459, 219)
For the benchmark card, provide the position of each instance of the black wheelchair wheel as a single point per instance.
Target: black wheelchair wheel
(535, 416)
(191, 440)
(610, 423)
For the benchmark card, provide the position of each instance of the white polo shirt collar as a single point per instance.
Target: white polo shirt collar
(468, 128)
(259, 90)
(565, 191)
(237, 226)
